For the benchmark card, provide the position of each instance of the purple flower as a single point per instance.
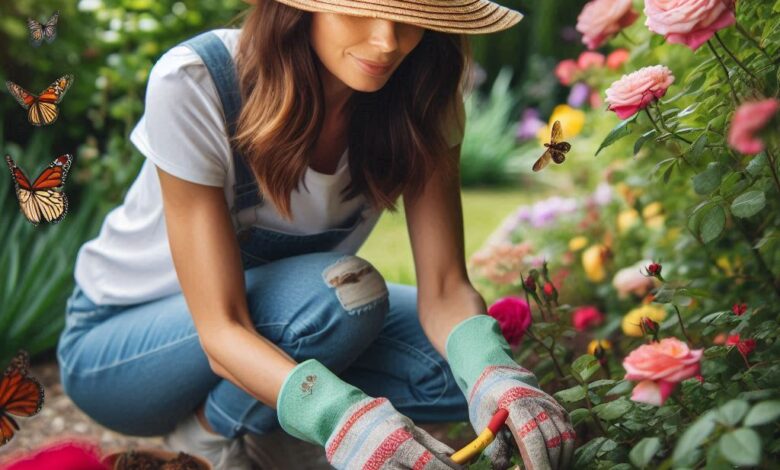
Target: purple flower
(529, 124)
(578, 95)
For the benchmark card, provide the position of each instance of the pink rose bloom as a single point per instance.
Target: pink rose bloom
(565, 71)
(689, 22)
(659, 367)
(617, 58)
(635, 91)
(748, 120)
(630, 280)
(601, 19)
(586, 317)
(589, 59)
(62, 455)
(514, 316)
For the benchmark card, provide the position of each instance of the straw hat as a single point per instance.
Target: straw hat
(449, 16)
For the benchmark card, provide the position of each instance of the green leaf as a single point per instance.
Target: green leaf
(688, 110)
(741, 447)
(642, 139)
(579, 415)
(696, 84)
(694, 436)
(762, 413)
(644, 451)
(756, 164)
(747, 204)
(619, 131)
(712, 222)
(622, 388)
(585, 366)
(708, 180)
(698, 146)
(614, 409)
(585, 454)
(732, 411)
(571, 395)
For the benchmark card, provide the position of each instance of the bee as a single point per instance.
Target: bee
(555, 149)
(308, 385)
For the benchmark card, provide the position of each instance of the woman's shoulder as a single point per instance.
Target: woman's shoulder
(182, 61)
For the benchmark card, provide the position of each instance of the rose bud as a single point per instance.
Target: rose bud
(739, 309)
(529, 284)
(649, 327)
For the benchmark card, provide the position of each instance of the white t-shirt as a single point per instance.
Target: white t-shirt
(183, 132)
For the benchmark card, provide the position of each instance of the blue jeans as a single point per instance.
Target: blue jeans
(139, 369)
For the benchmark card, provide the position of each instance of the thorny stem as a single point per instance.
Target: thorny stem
(734, 58)
(682, 405)
(682, 325)
(766, 273)
(666, 128)
(653, 121)
(558, 368)
(773, 167)
(590, 410)
(528, 300)
(725, 70)
(750, 38)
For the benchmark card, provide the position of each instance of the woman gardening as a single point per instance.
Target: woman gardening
(224, 297)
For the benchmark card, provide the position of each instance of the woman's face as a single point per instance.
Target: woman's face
(343, 41)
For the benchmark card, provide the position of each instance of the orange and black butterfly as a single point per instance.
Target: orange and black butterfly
(556, 150)
(41, 109)
(20, 395)
(43, 31)
(44, 198)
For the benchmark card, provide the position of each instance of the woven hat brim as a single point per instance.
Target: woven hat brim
(449, 16)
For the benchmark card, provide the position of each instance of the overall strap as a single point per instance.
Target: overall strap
(220, 65)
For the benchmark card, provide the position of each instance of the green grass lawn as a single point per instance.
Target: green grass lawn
(388, 246)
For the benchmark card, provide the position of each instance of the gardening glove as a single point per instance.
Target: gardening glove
(357, 431)
(485, 371)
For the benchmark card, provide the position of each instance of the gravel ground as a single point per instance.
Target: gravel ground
(61, 419)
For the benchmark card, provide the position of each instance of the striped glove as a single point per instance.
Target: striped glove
(481, 362)
(358, 432)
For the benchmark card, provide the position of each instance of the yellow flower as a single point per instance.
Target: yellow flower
(578, 243)
(632, 320)
(653, 216)
(572, 122)
(593, 263)
(604, 344)
(725, 264)
(627, 219)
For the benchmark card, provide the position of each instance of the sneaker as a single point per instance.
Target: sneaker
(223, 452)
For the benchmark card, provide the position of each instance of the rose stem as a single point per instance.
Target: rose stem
(734, 58)
(750, 38)
(682, 325)
(550, 351)
(773, 167)
(725, 70)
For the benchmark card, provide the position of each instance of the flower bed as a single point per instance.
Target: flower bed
(650, 303)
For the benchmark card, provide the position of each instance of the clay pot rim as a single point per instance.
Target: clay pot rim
(110, 456)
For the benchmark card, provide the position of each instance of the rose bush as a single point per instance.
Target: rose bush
(673, 239)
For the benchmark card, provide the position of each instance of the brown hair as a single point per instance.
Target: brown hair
(395, 135)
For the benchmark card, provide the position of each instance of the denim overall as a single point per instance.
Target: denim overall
(139, 369)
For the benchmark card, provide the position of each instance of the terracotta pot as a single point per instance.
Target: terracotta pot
(166, 455)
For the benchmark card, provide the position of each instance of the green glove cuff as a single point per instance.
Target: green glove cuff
(311, 401)
(475, 343)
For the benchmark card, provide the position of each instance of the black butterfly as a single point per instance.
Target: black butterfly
(555, 149)
(47, 30)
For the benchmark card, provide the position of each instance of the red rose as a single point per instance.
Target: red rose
(514, 317)
(586, 317)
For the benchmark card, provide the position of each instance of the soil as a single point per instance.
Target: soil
(60, 419)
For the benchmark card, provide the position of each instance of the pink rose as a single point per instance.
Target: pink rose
(617, 58)
(630, 280)
(601, 19)
(658, 367)
(589, 59)
(637, 90)
(586, 317)
(514, 317)
(689, 22)
(748, 120)
(565, 71)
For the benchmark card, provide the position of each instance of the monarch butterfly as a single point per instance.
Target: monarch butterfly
(42, 109)
(555, 149)
(43, 199)
(20, 395)
(47, 30)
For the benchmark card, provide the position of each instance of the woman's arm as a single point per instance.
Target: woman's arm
(208, 264)
(434, 220)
